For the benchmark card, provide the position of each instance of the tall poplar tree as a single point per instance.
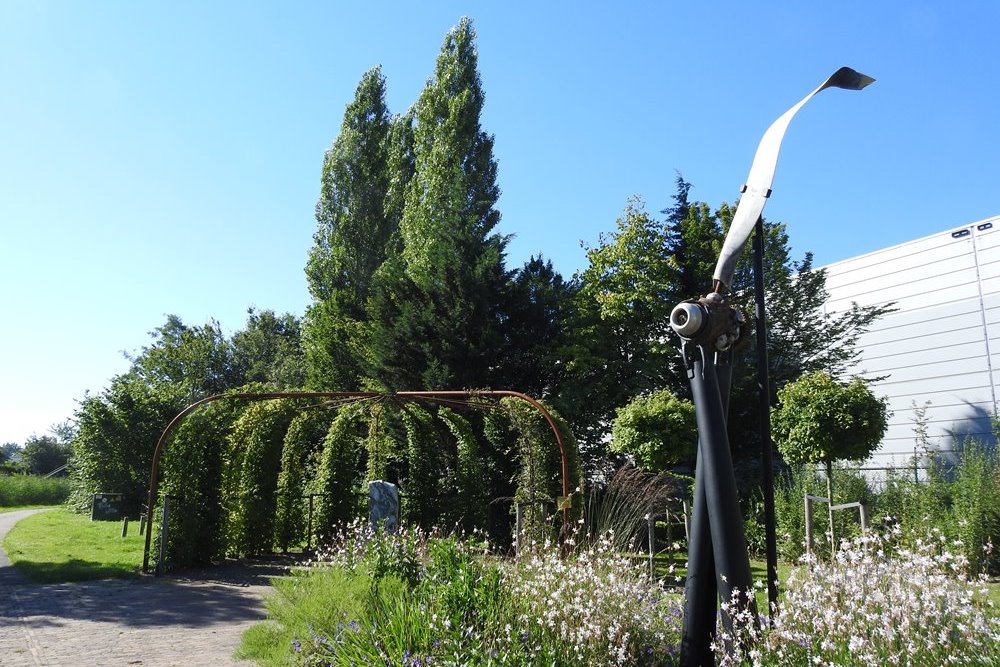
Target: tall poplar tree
(351, 236)
(434, 313)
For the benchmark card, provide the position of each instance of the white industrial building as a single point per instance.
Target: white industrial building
(942, 346)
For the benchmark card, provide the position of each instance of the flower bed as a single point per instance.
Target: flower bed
(424, 599)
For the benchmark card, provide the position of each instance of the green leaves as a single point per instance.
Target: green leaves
(822, 420)
(657, 429)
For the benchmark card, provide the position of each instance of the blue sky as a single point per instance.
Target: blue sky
(164, 158)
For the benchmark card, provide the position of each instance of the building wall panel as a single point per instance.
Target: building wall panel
(943, 343)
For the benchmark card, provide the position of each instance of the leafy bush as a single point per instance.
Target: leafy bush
(251, 476)
(960, 499)
(657, 429)
(16, 490)
(303, 440)
(192, 477)
(821, 420)
(876, 604)
(337, 474)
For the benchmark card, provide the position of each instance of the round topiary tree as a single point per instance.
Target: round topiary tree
(658, 429)
(821, 420)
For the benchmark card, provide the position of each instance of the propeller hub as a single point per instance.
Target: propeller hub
(709, 321)
(687, 319)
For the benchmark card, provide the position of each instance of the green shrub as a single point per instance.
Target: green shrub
(16, 490)
(251, 472)
(191, 467)
(303, 440)
(960, 499)
(657, 429)
(338, 473)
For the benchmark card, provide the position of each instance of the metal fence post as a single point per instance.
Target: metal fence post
(651, 530)
(809, 530)
(687, 526)
(309, 525)
(163, 536)
(518, 527)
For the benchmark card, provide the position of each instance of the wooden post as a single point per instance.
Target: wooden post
(864, 518)
(124, 526)
(142, 523)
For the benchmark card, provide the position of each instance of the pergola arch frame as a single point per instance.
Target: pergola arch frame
(451, 398)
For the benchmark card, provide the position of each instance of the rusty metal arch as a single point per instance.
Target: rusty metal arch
(440, 397)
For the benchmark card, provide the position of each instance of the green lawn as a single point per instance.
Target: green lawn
(60, 546)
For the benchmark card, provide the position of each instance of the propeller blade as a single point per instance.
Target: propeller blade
(758, 185)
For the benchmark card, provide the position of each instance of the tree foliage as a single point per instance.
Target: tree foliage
(622, 348)
(251, 476)
(433, 316)
(44, 454)
(821, 420)
(351, 236)
(117, 432)
(657, 429)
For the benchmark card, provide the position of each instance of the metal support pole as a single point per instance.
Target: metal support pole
(687, 520)
(651, 532)
(518, 529)
(809, 523)
(764, 416)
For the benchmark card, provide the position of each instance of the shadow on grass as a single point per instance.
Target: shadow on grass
(74, 569)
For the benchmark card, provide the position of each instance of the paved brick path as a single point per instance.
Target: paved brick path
(192, 619)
